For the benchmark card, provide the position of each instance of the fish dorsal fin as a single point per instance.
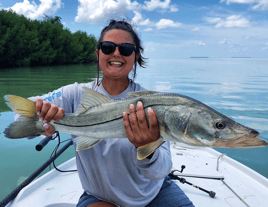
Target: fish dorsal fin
(141, 93)
(90, 99)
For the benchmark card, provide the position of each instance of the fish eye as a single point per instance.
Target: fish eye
(220, 125)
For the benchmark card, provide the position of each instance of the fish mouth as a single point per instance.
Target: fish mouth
(243, 142)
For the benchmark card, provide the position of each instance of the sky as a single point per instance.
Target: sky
(167, 28)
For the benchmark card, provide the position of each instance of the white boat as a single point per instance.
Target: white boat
(235, 184)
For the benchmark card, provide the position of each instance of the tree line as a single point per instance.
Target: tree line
(25, 42)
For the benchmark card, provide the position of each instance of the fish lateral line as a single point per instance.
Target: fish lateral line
(114, 119)
(56, 123)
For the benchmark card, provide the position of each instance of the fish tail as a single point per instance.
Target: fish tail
(146, 150)
(26, 125)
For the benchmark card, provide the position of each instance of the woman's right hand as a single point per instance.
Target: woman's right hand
(48, 113)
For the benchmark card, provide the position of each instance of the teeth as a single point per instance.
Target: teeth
(116, 63)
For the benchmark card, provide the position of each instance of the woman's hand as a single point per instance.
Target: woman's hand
(137, 129)
(48, 113)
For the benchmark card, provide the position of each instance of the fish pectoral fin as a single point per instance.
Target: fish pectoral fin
(90, 99)
(141, 93)
(145, 150)
(83, 143)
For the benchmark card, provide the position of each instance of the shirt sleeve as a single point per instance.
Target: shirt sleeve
(159, 166)
(66, 97)
(62, 97)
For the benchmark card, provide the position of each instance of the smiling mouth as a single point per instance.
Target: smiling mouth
(116, 63)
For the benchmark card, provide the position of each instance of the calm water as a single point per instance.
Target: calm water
(236, 87)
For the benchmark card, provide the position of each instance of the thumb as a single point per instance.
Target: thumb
(49, 129)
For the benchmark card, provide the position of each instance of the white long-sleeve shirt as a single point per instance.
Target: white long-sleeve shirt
(110, 170)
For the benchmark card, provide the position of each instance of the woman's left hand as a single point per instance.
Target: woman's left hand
(138, 131)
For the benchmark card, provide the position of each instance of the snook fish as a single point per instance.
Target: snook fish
(180, 118)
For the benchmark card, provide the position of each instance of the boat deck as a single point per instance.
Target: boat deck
(237, 185)
(241, 186)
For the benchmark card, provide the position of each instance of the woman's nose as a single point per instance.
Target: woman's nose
(116, 52)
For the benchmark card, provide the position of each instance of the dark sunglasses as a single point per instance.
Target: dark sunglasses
(125, 49)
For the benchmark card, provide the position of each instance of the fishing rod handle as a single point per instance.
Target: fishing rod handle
(43, 143)
(212, 194)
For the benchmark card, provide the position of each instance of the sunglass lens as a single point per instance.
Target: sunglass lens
(126, 49)
(107, 47)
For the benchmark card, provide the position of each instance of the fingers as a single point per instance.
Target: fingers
(127, 126)
(49, 130)
(131, 124)
(53, 114)
(134, 121)
(136, 125)
(48, 112)
(38, 103)
(153, 123)
(44, 110)
(142, 121)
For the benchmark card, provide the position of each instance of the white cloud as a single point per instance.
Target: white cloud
(137, 19)
(155, 4)
(151, 46)
(173, 8)
(164, 23)
(258, 4)
(196, 29)
(98, 11)
(231, 21)
(148, 29)
(265, 48)
(213, 20)
(34, 11)
(201, 43)
(224, 42)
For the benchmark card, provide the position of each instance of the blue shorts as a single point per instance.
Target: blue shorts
(169, 195)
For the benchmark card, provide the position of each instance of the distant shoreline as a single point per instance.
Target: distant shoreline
(199, 57)
(225, 57)
(241, 57)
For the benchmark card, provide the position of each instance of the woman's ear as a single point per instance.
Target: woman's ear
(138, 56)
(97, 53)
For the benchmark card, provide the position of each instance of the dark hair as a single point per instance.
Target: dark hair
(123, 25)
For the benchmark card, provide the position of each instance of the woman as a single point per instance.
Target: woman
(109, 172)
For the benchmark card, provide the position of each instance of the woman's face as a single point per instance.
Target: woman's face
(115, 65)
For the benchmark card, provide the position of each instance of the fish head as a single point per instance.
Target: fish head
(210, 128)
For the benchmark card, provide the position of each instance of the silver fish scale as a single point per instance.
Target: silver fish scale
(113, 128)
(114, 110)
